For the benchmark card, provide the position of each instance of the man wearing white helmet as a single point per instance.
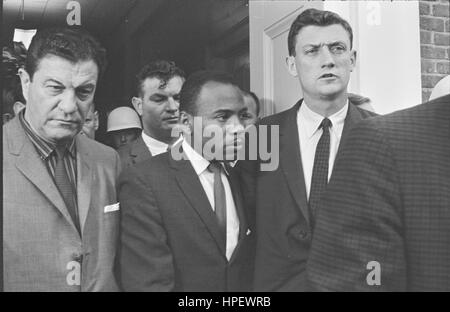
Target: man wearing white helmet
(156, 101)
(124, 126)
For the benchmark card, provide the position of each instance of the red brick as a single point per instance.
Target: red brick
(443, 68)
(441, 10)
(442, 39)
(424, 8)
(431, 23)
(428, 66)
(447, 25)
(425, 36)
(429, 81)
(430, 52)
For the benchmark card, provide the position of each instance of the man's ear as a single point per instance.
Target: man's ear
(353, 59)
(137, 104)
(25, 80)
(96, 122)
(17, 107)
(291, 66)
(186, 122)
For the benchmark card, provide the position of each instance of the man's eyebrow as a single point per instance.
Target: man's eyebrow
(54, 81)
(311, 45)
(88, 85)
(224, 111)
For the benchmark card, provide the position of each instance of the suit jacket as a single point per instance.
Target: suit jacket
(42, 249)
(134, 152)
(388, 201)
(282, 218)
(170, 238)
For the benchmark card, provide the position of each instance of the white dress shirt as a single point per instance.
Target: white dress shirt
(154, 146)
(206, 178)
(309, 134)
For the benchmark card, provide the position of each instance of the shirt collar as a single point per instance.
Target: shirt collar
(199, 163)
(153, 144)
(44, 147)
(311, 120)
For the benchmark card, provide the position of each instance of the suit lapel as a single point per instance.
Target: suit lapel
(352, 118)
(84, 182)
(192, 189)
(290, 159)
(34, 169)
(139, 151)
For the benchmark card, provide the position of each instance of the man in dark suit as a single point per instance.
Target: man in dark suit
(321, 56)
(384, 222)
(60, 211)
(158, 88)
(184, 226)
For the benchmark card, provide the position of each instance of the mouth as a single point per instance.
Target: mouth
(66, 122)
(328, 76)
(171, 119)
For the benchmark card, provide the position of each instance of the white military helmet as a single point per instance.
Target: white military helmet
(123, 117)
(441, 88)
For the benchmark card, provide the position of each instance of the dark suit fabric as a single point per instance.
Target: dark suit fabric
(170, 237)
(133, 153)
(282, 218)
(388, 201)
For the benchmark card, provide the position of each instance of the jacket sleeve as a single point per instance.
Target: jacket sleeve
(358, 240)
(145, 259)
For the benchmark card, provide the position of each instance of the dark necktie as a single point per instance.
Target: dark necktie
(319, 178)
(65, 187)
(220, 203)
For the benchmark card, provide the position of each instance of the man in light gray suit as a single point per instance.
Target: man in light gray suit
(60, 211)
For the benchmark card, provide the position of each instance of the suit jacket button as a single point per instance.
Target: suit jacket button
(303, 234)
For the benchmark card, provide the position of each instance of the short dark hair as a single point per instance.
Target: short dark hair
(72, 44)
(255, 98)
(13, 58)
(192, 87)
(161, 69)
(316, 18)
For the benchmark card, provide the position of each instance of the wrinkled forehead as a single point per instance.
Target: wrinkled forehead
(59, 68)
(317, 35)
(158, 85)
(215, 96)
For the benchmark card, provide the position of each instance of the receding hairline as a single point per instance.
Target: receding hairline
(54, 56)
(319, 26)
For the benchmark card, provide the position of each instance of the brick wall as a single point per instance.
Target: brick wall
(434, 43)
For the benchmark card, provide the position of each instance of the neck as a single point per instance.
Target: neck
(326, 106)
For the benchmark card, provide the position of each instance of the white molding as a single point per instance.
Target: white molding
(270, 33)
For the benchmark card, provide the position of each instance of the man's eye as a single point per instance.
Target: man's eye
(55, 88)
(337, 49)
(83, 94)
(245, 116)
(222, 117)
(311, 51)
(176, 98)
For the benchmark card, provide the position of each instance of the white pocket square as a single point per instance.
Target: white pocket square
(111, 208)
(248, 232)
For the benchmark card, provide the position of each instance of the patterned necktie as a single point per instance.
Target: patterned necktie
(65, 187)
(319, 178)
(220, 203)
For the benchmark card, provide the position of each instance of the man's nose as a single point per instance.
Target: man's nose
(68, 104)
(123, 138)
(172, 105)
(326, 57)
(236, 125)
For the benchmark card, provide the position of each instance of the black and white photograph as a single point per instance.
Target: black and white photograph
(225, 150)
